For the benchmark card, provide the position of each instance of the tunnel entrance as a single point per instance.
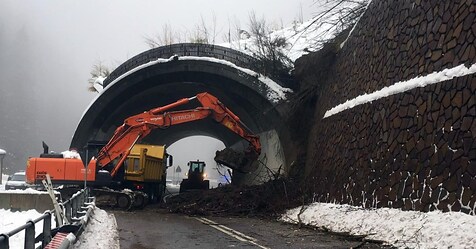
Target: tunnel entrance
(197, 148)
(161, 76)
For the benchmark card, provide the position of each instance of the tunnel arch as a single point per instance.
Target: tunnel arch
(161, 76)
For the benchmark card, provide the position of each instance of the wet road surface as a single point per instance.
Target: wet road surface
(157, 228)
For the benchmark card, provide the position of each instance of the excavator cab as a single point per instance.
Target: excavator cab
(195, 177)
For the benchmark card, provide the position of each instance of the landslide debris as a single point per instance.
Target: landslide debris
(266, 200)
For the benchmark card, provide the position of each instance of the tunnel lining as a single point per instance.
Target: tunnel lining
(171, 80)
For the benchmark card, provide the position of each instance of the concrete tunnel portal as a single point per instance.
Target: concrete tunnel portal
(163, 75)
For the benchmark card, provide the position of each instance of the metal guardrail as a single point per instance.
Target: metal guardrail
(29, 228)
(72, 207)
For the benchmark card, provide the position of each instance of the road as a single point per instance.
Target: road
(157, 228)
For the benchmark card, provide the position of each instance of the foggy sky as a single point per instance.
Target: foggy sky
(47, 49)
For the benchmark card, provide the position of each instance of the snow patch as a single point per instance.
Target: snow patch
(10, 220)
(71, 154)
(25, 191)
(402, 229)
(276, 93)
(100, 233)
(402, 86)
(301, 38)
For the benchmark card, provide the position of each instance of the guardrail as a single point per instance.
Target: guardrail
(29, 228)
(74, 205)
(71, 208)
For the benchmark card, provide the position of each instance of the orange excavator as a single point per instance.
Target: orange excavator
(139, 126)
(105, 169)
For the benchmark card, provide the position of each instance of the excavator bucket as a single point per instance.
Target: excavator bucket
(239, 161)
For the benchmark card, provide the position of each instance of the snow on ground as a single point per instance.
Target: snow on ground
(100, 233)
(402, 86)
(402, 229)
(10, 220)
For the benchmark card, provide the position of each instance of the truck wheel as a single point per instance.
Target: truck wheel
(140, 200)
(124, 202)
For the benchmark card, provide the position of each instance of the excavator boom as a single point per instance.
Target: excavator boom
(139, 126)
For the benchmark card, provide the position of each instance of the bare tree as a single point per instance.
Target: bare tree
(99, 72)
(204, 33)
(269, 48)
(235, 33)
(339, 14)
(166, 37)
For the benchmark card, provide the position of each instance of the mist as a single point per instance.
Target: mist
(48, 48)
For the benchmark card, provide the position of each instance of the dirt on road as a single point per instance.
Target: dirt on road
(267, 200)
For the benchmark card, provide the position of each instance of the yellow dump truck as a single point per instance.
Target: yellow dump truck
(145, 170)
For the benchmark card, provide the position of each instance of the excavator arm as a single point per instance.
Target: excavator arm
(139, 126)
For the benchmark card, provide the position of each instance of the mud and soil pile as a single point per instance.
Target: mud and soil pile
(266, 200)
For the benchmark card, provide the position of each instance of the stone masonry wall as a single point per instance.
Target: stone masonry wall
(414, 150)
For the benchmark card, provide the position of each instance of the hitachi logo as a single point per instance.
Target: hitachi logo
(183, 117)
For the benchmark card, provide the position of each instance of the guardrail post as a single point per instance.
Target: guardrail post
(75, 207)
(4, 241)
(81, 198)
(67, 209)
(30, 235)
(46, 230)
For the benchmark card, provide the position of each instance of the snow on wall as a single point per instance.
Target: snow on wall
(402, 86)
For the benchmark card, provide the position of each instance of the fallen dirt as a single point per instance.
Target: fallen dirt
(266, 200)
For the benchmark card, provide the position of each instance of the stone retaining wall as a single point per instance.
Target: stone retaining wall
(414, 150)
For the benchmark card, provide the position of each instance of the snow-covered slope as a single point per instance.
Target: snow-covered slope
(305, 37)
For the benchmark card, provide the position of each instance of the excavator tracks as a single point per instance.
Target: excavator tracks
(124, 199)
(120, 199)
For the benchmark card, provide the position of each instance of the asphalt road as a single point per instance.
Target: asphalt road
(157, 228)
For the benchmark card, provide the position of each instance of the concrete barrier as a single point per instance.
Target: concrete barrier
(25, 201)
